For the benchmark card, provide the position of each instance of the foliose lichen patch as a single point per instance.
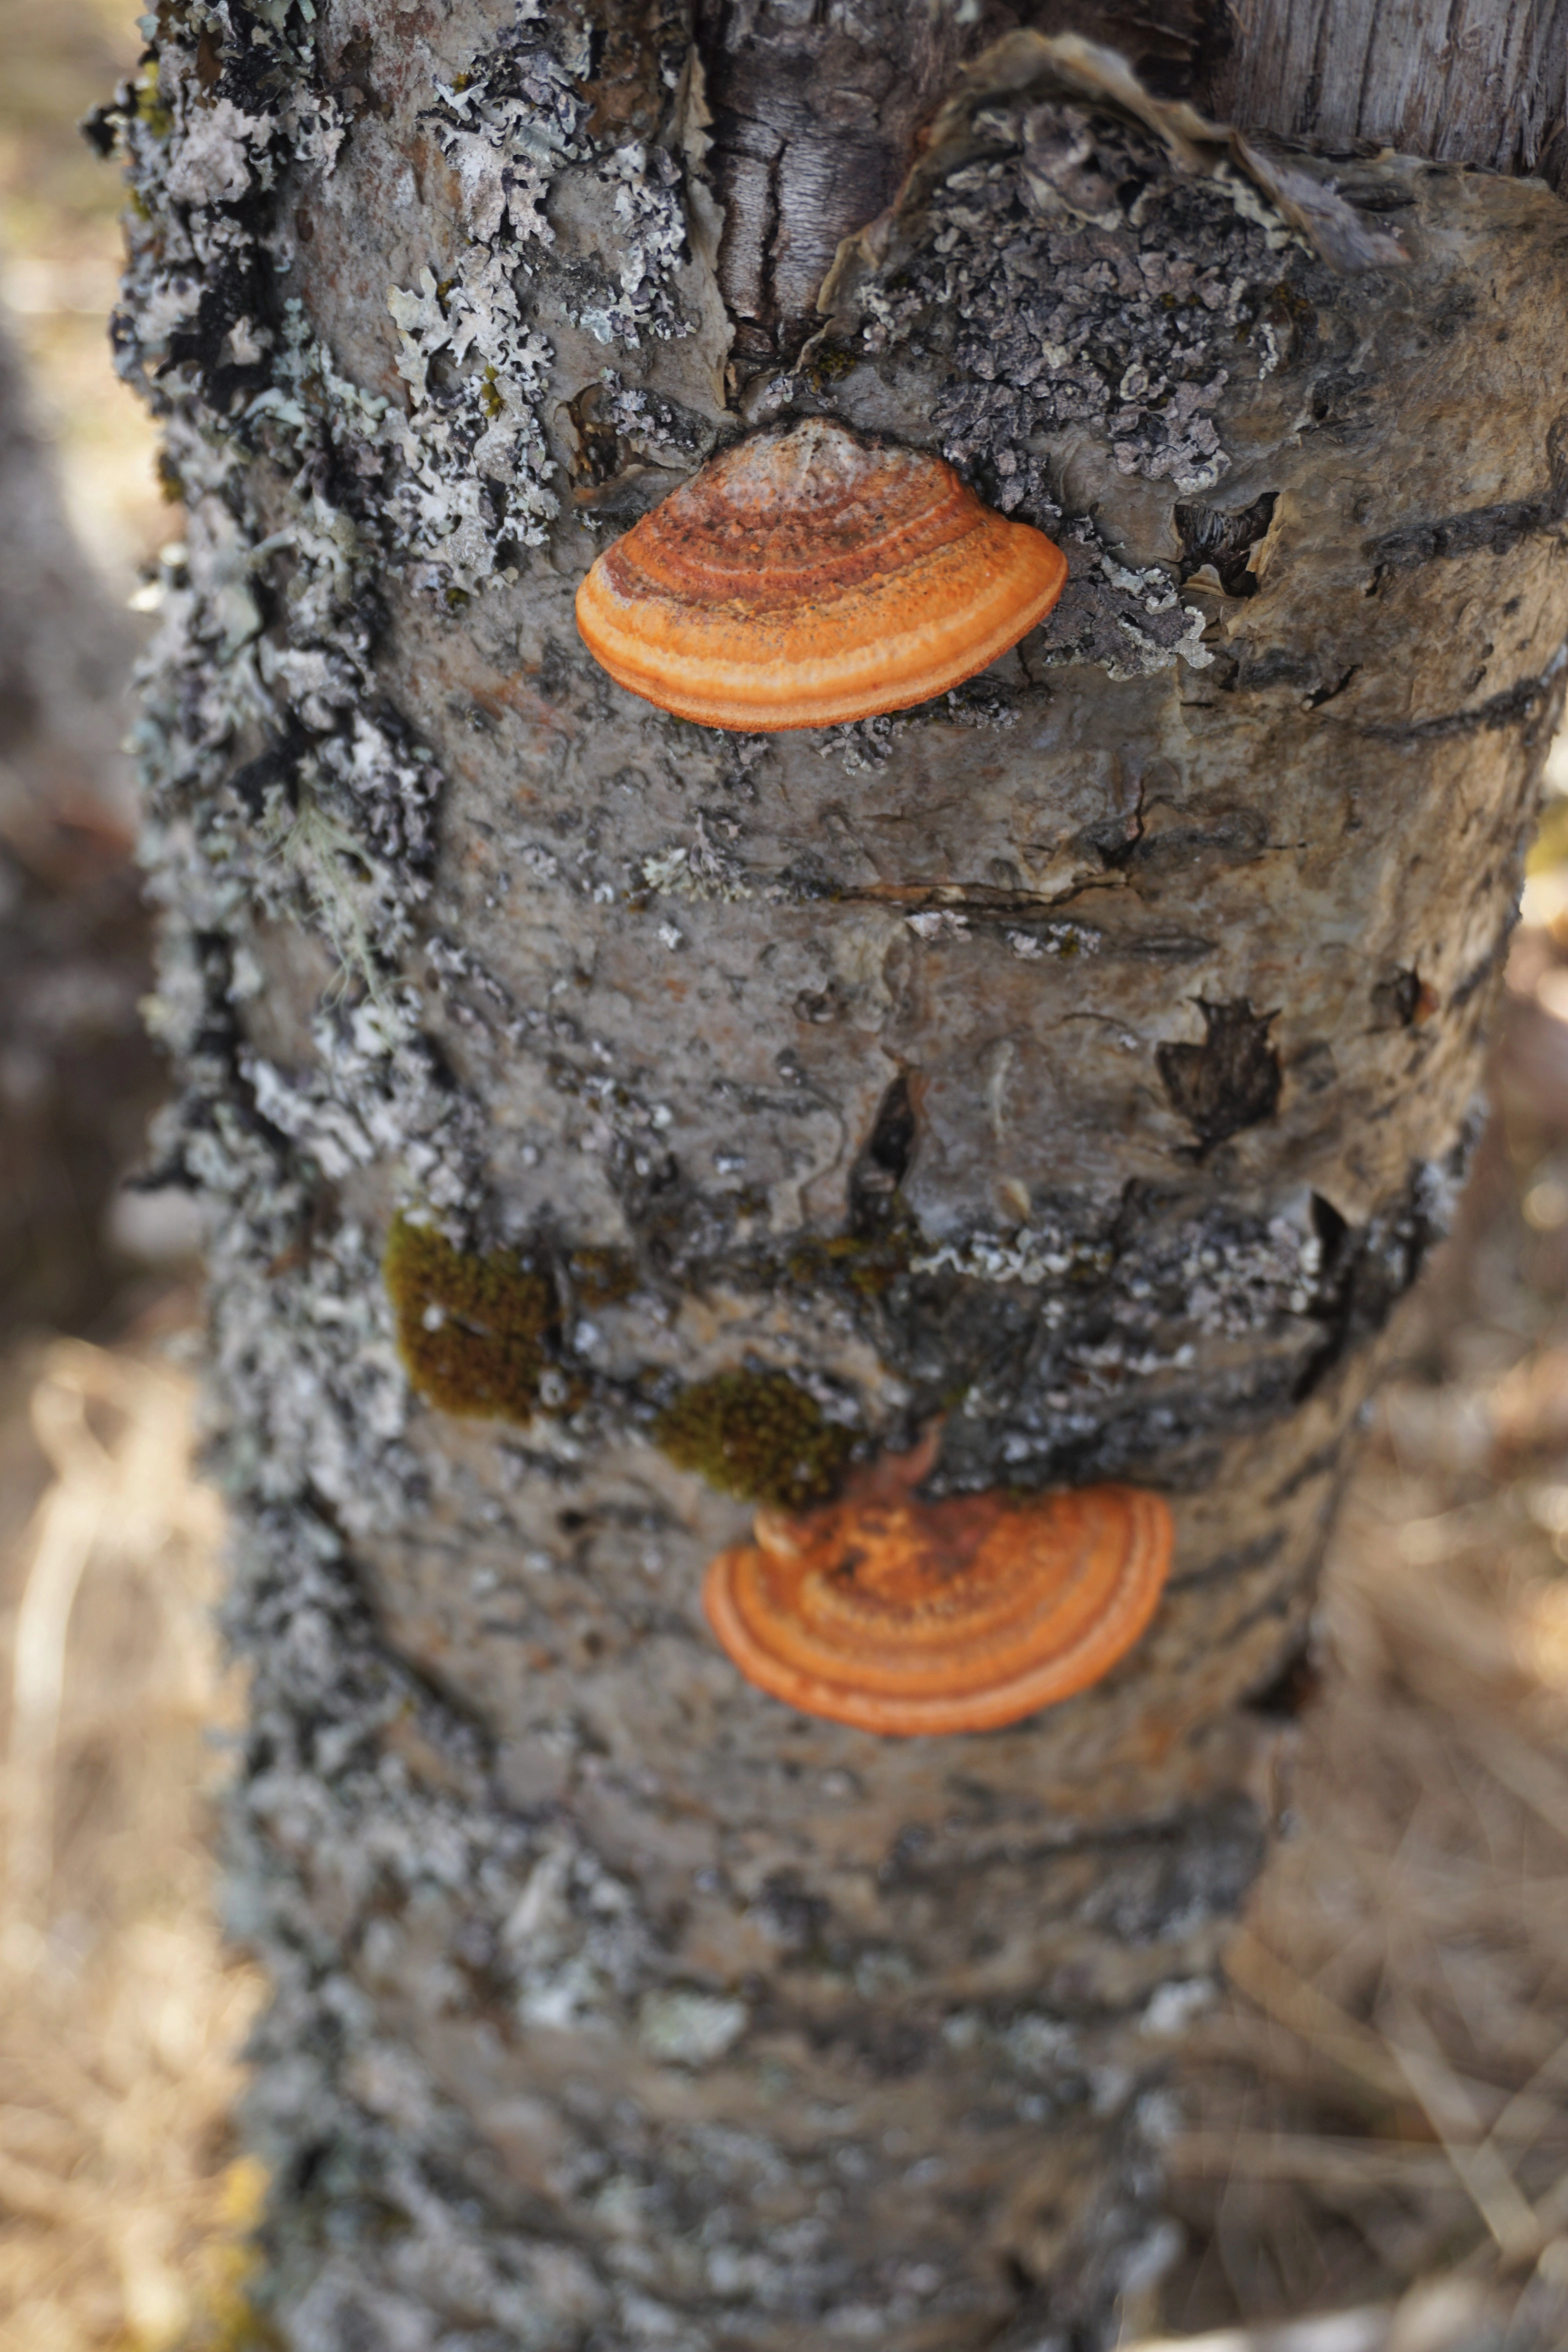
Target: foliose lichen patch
(474, 478)
(1074, 282)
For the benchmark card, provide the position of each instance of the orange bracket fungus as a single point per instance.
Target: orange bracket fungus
(904, 1616)
(807, 576)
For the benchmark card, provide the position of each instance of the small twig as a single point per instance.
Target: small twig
(1477, 2163)
(1367, 2330)
(67, 1522)
(1292, 2001)
(39, 2196)
(1315, 2160)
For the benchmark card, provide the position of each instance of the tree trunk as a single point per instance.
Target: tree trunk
(1083, 1063)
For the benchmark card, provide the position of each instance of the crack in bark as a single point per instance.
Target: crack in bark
(1493, 529)
(1231, 1081)
(811, 133)
(1515, 703)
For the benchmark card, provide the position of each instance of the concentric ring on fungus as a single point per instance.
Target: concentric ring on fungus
(904, 1616)
(807, 576)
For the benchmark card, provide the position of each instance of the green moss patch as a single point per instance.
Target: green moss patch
(850, 1263)
(758, 1435)
(601, 1278)
(473, 1331)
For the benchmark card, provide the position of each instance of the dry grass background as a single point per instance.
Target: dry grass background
(122, 2195)
(1373, 2122)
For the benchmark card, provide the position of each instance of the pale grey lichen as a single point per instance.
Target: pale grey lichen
(475, 470)
(473, 483)
(690, 2027)
(281, 788)
(1077, 285)
(328, 1811)
(700, 869)
(1063, 266)
(475, 467)
(1055, 939)
(862, 746)
(1029, 1255)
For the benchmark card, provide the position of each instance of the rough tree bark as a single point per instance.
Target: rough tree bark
(1089, 1058)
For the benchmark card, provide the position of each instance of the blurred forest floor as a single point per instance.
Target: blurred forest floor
(123, 2199)
(1372, 2117)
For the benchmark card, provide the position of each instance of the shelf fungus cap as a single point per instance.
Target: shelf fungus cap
(902, 1616)
(807, 576)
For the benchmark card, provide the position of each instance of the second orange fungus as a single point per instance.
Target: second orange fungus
(904, 1616)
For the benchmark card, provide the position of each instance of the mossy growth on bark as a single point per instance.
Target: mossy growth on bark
(601, 1276)
(757, 1435)
(472, 1329)
(852, 1263)
(479, 1334)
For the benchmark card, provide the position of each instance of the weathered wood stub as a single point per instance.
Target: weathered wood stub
(1089, 1058)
